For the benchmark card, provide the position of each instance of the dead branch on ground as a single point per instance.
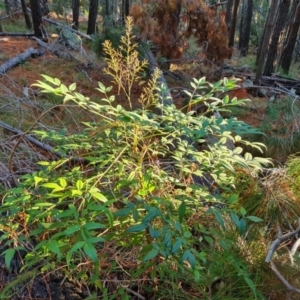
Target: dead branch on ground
(275, 244)
(19, 59)
(15, 34)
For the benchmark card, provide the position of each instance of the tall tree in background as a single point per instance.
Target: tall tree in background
(265, 39)
(245, 26)
(44, 7)
(107, 8)
(125, 10)
(26, 14)
(7, 6)
(290, 42)
(281, 18)
(228, 15)
(233, 22)
(93, 12)
(75, 11)
(36, 15)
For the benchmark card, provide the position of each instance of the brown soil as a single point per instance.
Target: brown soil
(85, 71)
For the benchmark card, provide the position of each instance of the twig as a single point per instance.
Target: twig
(115, 280)
(294, 249)
(281, 238)
(14, 13)
(278, 241)
(282, 279)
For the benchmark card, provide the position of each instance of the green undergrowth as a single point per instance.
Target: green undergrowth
(146, 200)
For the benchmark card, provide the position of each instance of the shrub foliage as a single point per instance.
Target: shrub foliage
(149, 184)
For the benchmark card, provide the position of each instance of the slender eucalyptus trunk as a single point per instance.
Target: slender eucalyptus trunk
(282, 14)
(75, 11)
(26, 14)
(245, 26)
(233, 23)
(93, 12)
(290, 42)
(265, 39)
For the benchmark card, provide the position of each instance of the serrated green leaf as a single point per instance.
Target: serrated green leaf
(72, 87)
(123, 212)
(192, 260)
(151, 254)
(77, 246)
(37, 180)
(62, 182)
(219, 218)
(93, 225)
(152, 214)
(137, 228)
(97, 195)
(176, 246)
(54, 186)
(8, 256)
(79, 184)
(235, 219)
(52, 245)
(90, 251)
(71, 230)
(254, 219)
(181, 211)
(154, 233)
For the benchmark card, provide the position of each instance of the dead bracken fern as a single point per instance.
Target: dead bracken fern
(169, 25)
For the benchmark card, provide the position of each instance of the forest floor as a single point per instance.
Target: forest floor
(21, 111)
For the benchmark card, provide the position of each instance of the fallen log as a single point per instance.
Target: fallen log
(15, 34)
(20, 58)
(44, 45)
(63, 25)
(69, 27)
(41, 145)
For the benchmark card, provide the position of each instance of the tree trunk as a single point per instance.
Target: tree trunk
(125, 10)
(26, 14)
(282, 14)
(245, 25)
(93, 12)
(37, 19)
(44, 7)
(290, 42)
(7, 7)
(107, 8)
(75, 11)
(233, 23)
(228, 15)
(265, 39)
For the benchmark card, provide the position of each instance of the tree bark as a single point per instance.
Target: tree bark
(233, 23)
(44, 7)
(245, 26)
(7, 7)
(125, 10)
(228, 15)
(75, 11)
(62, 25)
(16, 60)
(282, 14)
(93, 12)
(287, 53)
(26, 14)
(37, 19)
(265, 39)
